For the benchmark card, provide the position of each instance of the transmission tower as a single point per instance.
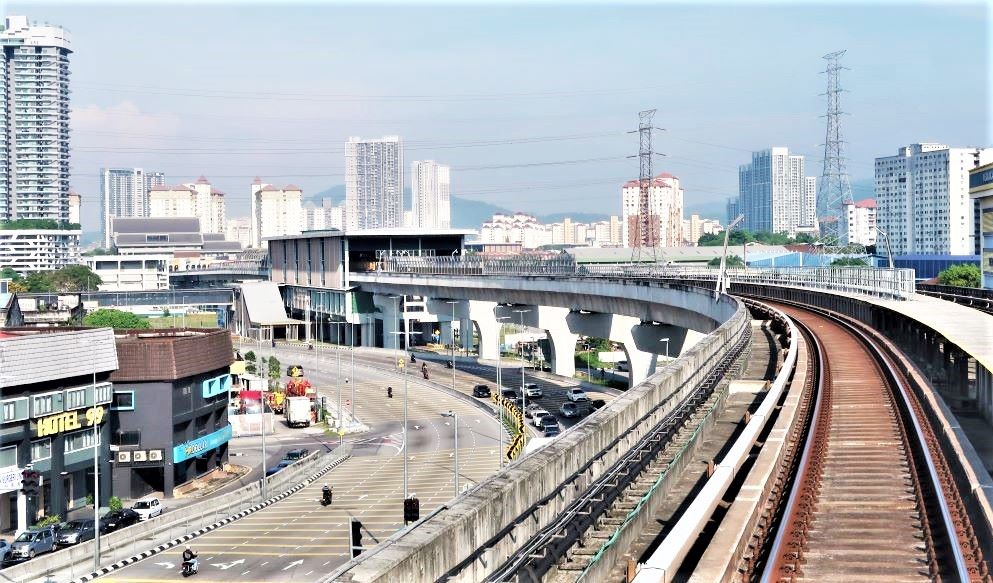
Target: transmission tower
(645, 237)
(835, 187)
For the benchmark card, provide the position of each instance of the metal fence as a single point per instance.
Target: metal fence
(880, 282)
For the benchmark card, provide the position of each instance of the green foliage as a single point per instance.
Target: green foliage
(849, 262)
(275, 372)
(115, 319)
(742, 237)
(250, 358)
(962, 275)
(732, 261)
(38, 224)
(9, 273)
(50, 520)
(74, 278)
(89, 499)
(100, 251)
(115, 503)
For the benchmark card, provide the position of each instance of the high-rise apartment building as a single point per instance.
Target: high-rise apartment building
(75, 202)
(922, 198)
(374, 183)
(192, 199)
(239, 229)
(124, 192)
(695, 227)
(774, 195)
(275, 211)
(981, 191)
(430, 188)
(858, 224)
(665, 209)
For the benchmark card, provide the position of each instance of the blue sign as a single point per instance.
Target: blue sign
(200, 445)
(978, 179)
(216, 386)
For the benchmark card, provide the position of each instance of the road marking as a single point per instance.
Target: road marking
(169, 566)
(226, 566)
(294, 564)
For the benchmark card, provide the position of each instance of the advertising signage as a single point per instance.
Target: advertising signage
(200, 445)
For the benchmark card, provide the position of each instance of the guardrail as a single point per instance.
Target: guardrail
(972, 292)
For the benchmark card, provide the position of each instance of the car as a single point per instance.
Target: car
(576, 394)
(4, 551)
(597, 403)
(530, 410)
(75, 532)
(119, 519)
(532, 390)
(508, 393)
(33, 542)
(481, 391)
(278, 467)
(147, 508)
(569, 410)
(622, 366)
(296, 454)
(550, 426)
(538, 416)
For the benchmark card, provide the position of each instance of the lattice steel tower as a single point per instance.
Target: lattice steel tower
(646, 232)
(835, 186)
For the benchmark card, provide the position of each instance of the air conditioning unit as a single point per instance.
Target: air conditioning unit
(140, 455)
(123, 457)
(155, 455)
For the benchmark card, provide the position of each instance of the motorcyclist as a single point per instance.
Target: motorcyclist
(389, 392)
(190, 561)
(413, 358)
(327, 493)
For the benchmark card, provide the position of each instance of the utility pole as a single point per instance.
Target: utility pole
(835, 187)
(96, 486)
(648, 225)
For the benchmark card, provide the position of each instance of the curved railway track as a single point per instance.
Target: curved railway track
(872, 498)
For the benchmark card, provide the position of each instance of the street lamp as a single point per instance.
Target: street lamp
(265, 384)
(452, 329)
(666, 340)
(405, 391)
(500, 391)
(524, 396)
(396, 340)
(455, 421)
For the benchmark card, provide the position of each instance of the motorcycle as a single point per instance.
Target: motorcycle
(326, 499)
(424, 371)
(190, 568)
(449, 364)
(413, 359)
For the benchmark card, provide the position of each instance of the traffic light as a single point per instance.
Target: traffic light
(356, 538)
(30, 482)
(411, 510)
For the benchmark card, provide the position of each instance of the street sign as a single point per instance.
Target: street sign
(400, 362)
(514, 449)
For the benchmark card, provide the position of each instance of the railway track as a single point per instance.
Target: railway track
(871, 498)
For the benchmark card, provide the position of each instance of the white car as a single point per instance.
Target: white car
(532, 390)
(576, 394)
(147, 508)
(537, 415)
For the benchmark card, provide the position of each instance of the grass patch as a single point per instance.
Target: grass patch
(197, 320)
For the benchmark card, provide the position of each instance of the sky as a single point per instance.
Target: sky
(530, 104)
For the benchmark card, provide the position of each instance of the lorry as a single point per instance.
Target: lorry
(297, 411)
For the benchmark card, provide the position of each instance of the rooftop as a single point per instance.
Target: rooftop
(399, 232)
(170, 354)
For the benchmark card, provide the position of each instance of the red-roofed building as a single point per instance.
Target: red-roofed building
(858, 225)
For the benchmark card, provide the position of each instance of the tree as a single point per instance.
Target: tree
(732, 261)
(274, 371)
(17, 287)
(116, 319)
(849, 262)
(9, 273)
(962, 275)
(250, 362)
(74, 278)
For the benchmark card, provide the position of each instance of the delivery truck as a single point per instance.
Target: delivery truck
(297, 411)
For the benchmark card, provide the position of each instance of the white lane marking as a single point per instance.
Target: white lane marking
(293, 564)
(169, 566)
(226, 566)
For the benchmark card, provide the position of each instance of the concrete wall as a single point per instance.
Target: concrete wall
(552, 475)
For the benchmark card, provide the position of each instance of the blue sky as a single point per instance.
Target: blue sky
(234, 91)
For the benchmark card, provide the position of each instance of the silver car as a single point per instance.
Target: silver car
(33, 542)
(75, 532)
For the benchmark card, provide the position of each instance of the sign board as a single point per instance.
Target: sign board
(400, 362)
(200, 445)
(69, 421)
(10, 479)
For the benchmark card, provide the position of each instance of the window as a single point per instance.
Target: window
(104, 394)
(41, 449)
(44, 405)
(75, 398)
(80, 440)
(129, 438)
(15, 410)
(8, 456)
(123, 401)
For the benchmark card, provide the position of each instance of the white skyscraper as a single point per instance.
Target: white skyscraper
(858, 225)
(774, 195)
(665, 207)
(374, 183)
(124, 193)
(922, 198)
(275, 211)
(34, 122)
(430, 188)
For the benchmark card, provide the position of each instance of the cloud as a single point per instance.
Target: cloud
(124, 125)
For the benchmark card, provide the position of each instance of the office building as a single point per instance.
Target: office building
(75, 202)
(859, 222)
(275, 211)
(374, 183)
(124, 192)
(55, 408)
(981, 190)
(774, 194)
(922, 198)
(170, 403)
(430, 188)
(130, 273)
(665, 211)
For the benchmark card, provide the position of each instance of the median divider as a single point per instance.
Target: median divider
(148, 538)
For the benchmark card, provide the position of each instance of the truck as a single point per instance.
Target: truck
(297, 411)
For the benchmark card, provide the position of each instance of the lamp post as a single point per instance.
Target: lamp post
(96, 486)
(524, 397)
(666, 340)
(264, 370)
(500, 390)
(405, 391)
(586, 347)
(452, 333)
(396, 339)
(455, 421)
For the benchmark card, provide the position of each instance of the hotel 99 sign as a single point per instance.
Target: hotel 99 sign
(70, 421)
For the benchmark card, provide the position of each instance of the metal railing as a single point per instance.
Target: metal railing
(873, 281)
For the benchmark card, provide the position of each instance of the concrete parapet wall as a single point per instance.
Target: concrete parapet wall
(552, 476)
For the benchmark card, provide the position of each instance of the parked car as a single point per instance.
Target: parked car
(147, 508)
(278, 467)
(75, 532)
(569, 410)
(119, 519)
(481, 391)
(550, 426)
(538, 416)
(576, 394)
(597, 403)
(530, 410)
(296, 454)
(33, 542)
(532, 390)
(621, 366)
(508, 393)
(4, 551)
